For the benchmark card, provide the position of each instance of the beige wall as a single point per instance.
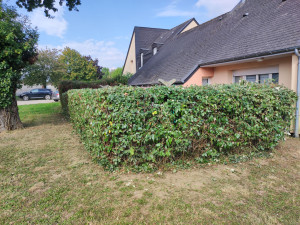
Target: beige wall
(294, 72)
(196, 79)
(190, 26)
(130, 63)
(223, 74)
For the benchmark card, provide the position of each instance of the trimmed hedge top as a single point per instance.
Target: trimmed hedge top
(67, 85)
(145, 128)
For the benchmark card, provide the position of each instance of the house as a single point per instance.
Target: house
(255, 41)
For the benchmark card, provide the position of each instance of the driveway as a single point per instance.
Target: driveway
(33, 102)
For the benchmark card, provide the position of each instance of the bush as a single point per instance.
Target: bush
(145, 128)
(67, 85)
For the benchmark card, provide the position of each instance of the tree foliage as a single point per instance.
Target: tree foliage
(17, 50)
(79, 67)
(95, 64)
(47, 69)
(116, 73)
(105, 71)
(48, 5)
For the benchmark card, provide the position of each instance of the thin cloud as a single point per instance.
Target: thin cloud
(215, 8)
(172, 11)
(53, 27)
(106, 52)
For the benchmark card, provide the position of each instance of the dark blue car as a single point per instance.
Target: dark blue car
(37, 94)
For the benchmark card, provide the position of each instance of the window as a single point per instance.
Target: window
(260, 78)
(275, 78)
(251, 78)
(35, 91)
(259, 75)
(263, 78)
(205, 81)
(154, 51)
(237, 79)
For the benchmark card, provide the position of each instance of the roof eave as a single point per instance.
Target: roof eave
(154, 83)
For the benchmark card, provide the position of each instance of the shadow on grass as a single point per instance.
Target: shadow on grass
(41, 114)
(38, 121)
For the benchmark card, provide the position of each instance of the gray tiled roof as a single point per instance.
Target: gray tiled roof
(144, 37)
(271, 26)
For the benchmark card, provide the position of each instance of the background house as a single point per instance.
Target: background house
(257, 38)
(255, 41)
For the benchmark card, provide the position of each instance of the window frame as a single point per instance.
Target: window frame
(243, 73)
(208, 81)
(257, 80)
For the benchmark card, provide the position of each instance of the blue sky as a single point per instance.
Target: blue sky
(103, 28)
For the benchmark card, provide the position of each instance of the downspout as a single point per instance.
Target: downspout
(298, 95)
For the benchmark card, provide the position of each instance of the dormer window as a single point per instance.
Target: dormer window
(154, 51)
(142, 59)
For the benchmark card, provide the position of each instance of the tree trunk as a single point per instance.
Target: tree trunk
(9, 117)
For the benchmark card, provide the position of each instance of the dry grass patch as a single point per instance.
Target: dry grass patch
(47, 177)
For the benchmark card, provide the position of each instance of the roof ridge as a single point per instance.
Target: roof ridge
(238, 5)
(184, 24)
(215, 18)
(151, 28)
(190, 20)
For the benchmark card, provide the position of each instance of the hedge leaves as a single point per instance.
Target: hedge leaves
(146, 127)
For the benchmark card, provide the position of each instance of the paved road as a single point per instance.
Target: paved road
(33, 102)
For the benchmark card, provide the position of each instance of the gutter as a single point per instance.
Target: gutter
(298, 95)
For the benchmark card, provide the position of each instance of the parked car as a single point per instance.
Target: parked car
(37, 94)
(55, 96)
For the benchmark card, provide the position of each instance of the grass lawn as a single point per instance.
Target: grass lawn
(47, 177)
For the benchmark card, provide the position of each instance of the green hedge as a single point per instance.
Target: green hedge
(145, 128)
(66, 85)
